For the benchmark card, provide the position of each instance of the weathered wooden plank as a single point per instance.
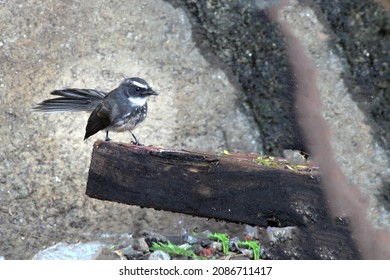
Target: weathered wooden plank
(226, 187)
(232, 187)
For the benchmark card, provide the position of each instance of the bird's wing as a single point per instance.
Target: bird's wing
(98, 120)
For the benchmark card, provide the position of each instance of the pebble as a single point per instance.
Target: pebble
(64, 251)
(280, 234)
(140, 244)
(233, 244)
(252, 232)
(159, 255)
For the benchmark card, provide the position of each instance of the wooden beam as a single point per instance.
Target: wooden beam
(230, 187)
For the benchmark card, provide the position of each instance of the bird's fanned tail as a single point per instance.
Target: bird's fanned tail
(71, 100)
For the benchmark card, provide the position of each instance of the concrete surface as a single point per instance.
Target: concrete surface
(352, 140)
(44, 160)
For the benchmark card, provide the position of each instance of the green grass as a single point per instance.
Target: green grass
(173, 250)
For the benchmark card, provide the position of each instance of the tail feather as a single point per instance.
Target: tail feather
(72, 100)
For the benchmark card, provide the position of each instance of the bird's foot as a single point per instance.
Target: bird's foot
(137, 143)
(107, 139)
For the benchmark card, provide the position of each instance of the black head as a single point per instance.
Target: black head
(137, 87)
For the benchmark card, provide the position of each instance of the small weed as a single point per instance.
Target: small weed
(267, 161)
(224, 240)
(254, 245)
(172, 249)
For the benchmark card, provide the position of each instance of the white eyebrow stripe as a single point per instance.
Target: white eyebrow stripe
(138, 84)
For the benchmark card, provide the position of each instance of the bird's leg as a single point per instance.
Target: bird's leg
(107, 138)
(136, 141)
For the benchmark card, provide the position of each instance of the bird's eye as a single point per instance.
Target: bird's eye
(137, 89)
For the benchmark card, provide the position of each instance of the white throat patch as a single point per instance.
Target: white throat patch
(137, 84)
(139, 101)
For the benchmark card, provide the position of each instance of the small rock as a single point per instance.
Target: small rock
(124, 240)
(233, 244)
(207, 252)
(204, 242)
(184, 233)
(134, 255)
(216, 245)
(108, 254)
(126, 250)
(204, 234)
(159, 255)
(294, 157)
(191, 240)
(251, 232)
(196, 248)
(140, 244)
(128, 253)
(185, 246)
(64, 251)
(280, 234)
(150, 237)
(247, 252)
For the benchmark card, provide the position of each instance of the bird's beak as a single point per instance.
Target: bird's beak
(152, 92)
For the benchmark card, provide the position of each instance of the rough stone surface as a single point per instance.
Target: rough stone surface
(240, 36)
(353, 143)
(363, 39)
(44, 161)
(361, 36)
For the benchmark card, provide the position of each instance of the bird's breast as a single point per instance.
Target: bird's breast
(130, 119)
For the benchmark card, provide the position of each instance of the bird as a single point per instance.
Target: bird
(121, 109)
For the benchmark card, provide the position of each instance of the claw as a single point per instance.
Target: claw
(135, 142)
